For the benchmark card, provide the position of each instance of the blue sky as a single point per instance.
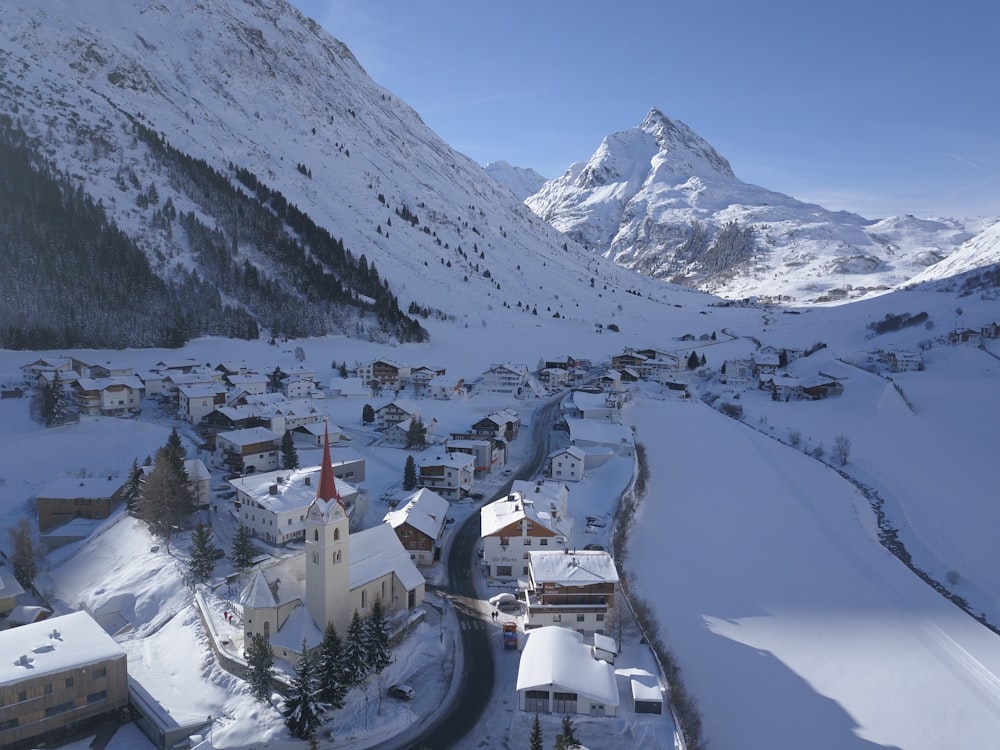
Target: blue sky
(880, 107)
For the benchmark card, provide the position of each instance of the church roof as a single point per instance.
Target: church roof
(257, 593)
(297, 628)
(377, 551)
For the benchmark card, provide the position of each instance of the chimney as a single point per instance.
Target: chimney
(272, 490)
(309, 481)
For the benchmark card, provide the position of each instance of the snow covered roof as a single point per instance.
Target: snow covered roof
(54, 645)
(556, 658)
(456, 460)
(100, 384)
(9, 587)
(572, 451)
(405, 405)
(257, 594)
(292, 488)
(645, 687)
(600, 432)
(70, 488)
(297, 628)
(377, 551)
(499, 514)
(424, 510)
(248, 436)
(581, 568)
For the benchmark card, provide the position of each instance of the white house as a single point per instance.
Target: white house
(451, 475)
(739, 373)
(197, 401)
(560, 674)
(108, 396)
(567, 464)
(489, 454)
(251, 383)
(273, 504)
(354, 388)
(446, 387)
(385, 372)
(514, 525)
(511, 379)
(295, 387)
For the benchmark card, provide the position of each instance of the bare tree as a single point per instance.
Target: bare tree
(842, 449)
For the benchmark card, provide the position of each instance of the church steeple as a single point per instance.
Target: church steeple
(327, 489)
(327, 550)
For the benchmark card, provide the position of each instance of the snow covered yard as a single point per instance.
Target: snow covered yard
(793, 626)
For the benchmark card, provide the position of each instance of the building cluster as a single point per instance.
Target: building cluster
(773, 369)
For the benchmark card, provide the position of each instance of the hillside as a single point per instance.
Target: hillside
(256, 89)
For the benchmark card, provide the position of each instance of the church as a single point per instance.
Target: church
(291, 600)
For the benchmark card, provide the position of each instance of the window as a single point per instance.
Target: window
(544, 542)
(556, 618)
(315, 535)
(9, 724)
(580, 617)
(527, 542)
(525, 555)
(315, 558)
(336, 534)
(364, 598)
(504, 541)
(600, 617)
(69, 682)
(97, 697)
(61, 708)
(503, 571)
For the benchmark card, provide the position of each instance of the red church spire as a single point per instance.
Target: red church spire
(327, 489)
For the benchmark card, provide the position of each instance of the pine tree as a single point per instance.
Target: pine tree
(416, 435)
(566, 738)
(330, 668)
(692, 361)
(355, 659)
(703, 361)
(302, 709)
(289, 455)
(242, 552)
(132, 490)
(204, 553)
(376, 639)
(535, 739)
(410, 474)
(260, 664)
(24, 558)
(367, 414)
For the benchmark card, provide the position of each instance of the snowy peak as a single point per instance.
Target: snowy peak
(680, 148)
(658, 199)
(521, 181)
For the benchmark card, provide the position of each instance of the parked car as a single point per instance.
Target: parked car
(505, 601)
(403, 692)
(594, 547)
(596, 521)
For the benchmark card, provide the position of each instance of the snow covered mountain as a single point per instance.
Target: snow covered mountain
(522, 181)
(659, 199)
(255, 87)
